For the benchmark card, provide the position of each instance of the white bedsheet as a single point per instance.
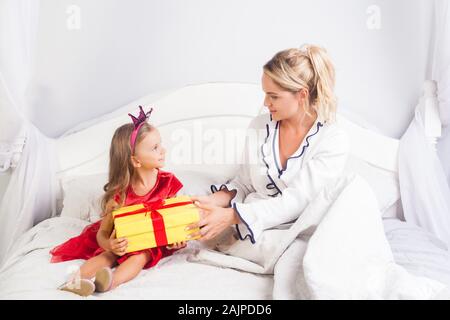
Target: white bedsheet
(28, 274)
(418, 251)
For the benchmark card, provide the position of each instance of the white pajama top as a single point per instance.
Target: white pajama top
(268, 195)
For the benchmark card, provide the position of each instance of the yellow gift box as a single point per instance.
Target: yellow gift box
(155, 224)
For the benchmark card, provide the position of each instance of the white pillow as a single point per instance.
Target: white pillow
(384, 183)
(82, 195)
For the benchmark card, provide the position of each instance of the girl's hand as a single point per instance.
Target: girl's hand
(220, 198)
(117, 246)
(204, 200)
(177, 245)
(213, 220)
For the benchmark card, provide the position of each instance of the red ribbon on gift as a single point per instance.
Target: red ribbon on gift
(157, 219)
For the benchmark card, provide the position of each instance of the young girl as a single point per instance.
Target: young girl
(136, 156)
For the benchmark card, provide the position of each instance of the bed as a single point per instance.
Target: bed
(214, 116)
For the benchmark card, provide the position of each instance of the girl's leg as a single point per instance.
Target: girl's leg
(91, 266)
(130, 268)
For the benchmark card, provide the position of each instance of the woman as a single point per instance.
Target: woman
(302, 149)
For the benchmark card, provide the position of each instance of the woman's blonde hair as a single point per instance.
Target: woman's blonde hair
(308, 68)
(120, 166)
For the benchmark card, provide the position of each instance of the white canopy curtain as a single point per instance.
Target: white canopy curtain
(441, 73)
(29, 197)
(424, 186)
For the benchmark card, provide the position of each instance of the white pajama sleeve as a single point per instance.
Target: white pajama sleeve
(326, 164)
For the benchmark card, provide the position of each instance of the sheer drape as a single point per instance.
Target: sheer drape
(441, 73)
(18, 26)
(30, 195)
(423, 172)
(423, 186)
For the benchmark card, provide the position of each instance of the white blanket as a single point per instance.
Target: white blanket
(336, 249)
(28, 274)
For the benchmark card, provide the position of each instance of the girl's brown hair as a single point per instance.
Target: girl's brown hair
(120, 166)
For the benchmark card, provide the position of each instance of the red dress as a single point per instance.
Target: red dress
(85, 245)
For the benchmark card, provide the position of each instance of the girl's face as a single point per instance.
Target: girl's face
(281, 103)
(149, 153)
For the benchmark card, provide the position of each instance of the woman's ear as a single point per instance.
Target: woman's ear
(304, 94)
(301, 95)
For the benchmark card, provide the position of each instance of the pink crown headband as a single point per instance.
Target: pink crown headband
(138, 122)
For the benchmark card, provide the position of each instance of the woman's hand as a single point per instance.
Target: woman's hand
(177, 245)
(117, 246)
(213, 220)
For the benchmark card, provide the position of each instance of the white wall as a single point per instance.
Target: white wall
(126, 49)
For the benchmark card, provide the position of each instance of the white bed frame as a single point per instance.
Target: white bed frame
(220, 106)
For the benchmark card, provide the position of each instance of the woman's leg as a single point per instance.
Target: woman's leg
(130, 268)
(91, 266)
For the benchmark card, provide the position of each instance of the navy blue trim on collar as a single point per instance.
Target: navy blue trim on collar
(275, 152)
(272, 184)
